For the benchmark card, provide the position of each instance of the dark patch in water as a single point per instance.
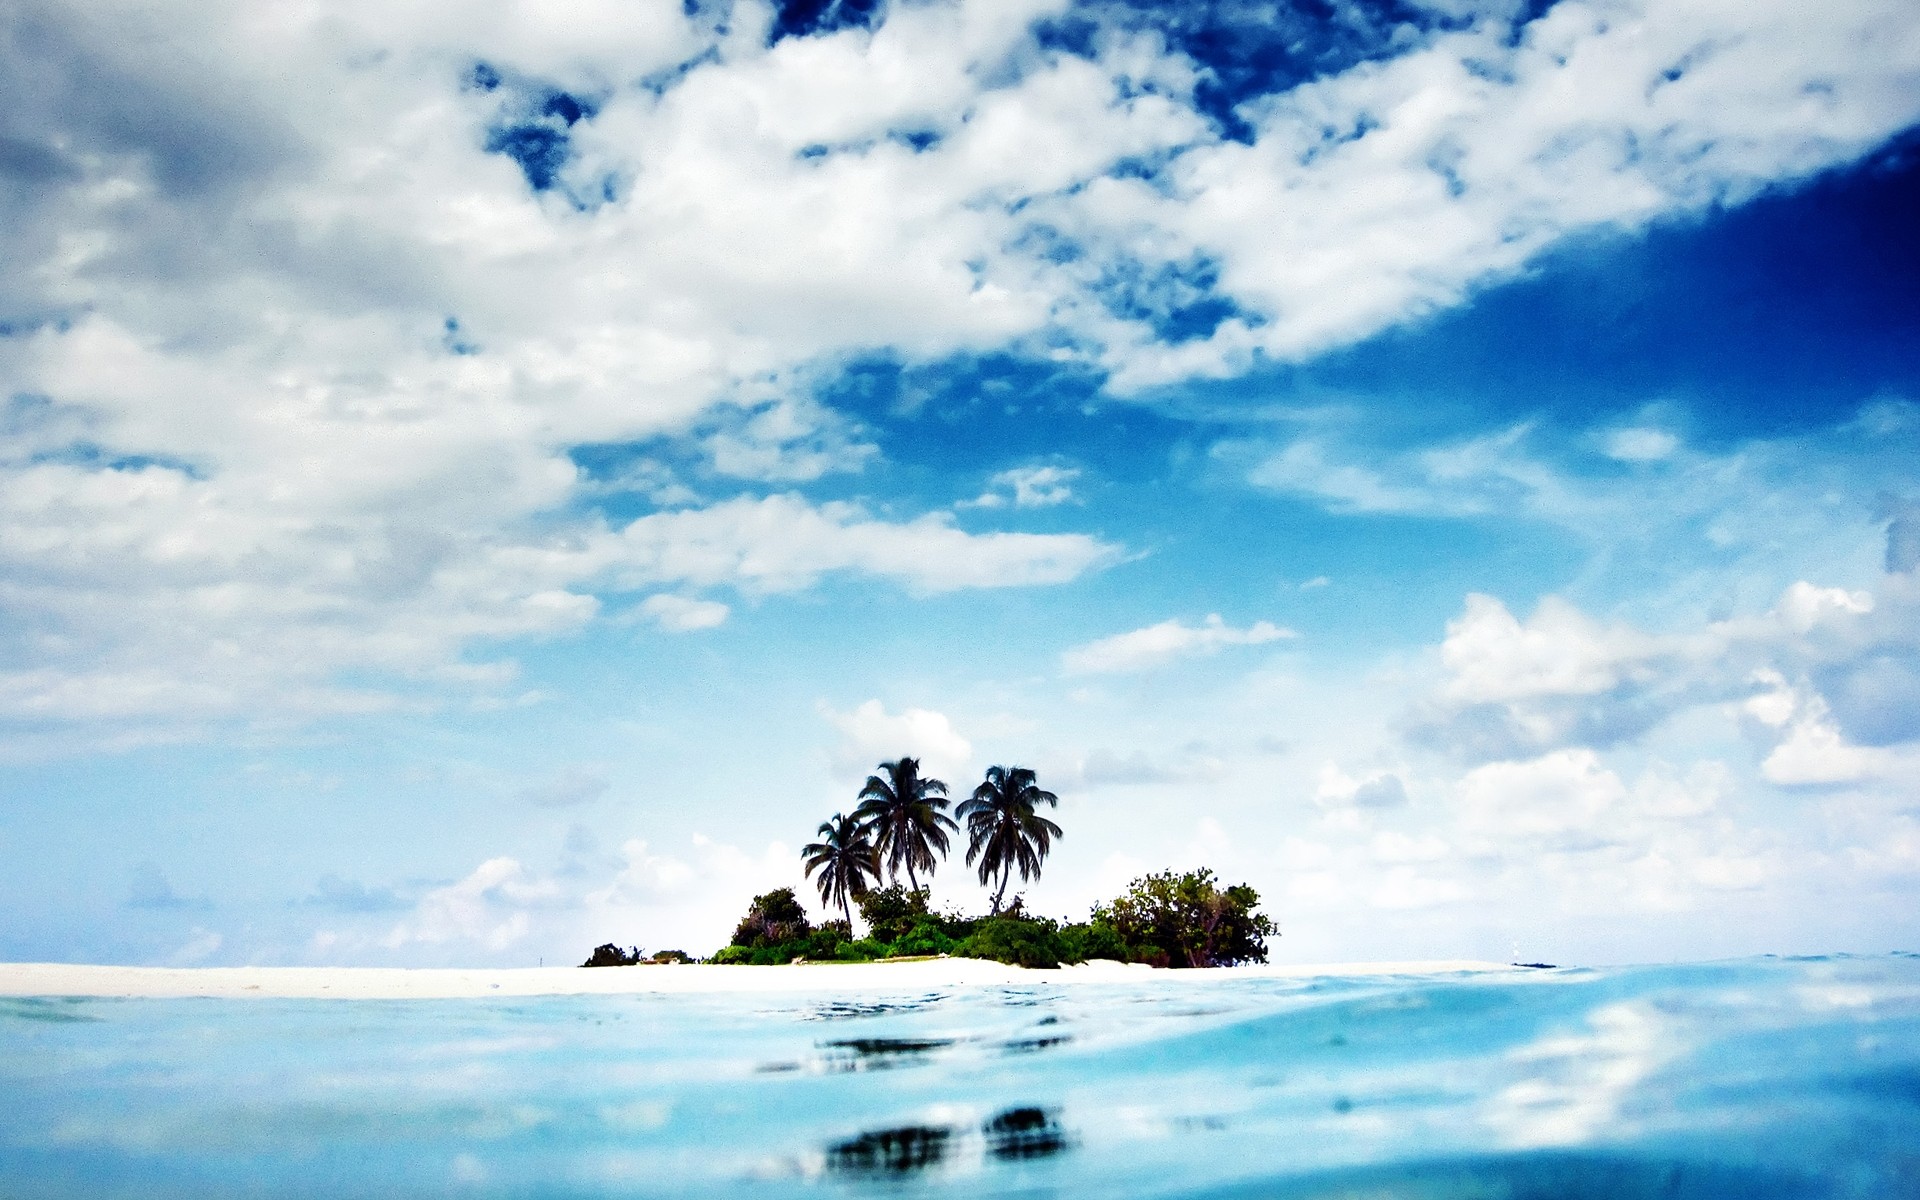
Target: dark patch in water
(60, 1011)
(891, 1151)
(846, 1010)
(1034, 1045)
(1538, 966)
(873, 1054)
(1022, 1133)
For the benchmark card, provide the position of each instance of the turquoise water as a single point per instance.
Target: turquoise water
(1761, 1078)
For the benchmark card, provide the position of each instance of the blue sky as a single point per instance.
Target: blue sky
(479, 482)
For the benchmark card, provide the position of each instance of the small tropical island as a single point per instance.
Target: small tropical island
(902, 826)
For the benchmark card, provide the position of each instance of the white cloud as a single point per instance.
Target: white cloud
(871, 735)
(1566, 795)
(490, 909)
(1028, 487)
(1337, 789)
(1388, 190)
(1810, 749)
(684, 614)
(1157, 645)
(1640, 445)
(1558, 652)
(783, 543)
(268, 465)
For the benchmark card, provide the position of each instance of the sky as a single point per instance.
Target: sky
(482, 480)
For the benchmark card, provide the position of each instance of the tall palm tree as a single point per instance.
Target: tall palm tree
(907, 816)
(846, 860)
(1004, 831)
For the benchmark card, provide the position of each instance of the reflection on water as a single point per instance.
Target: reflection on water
(1025, 1133)
(894, 1151)
(1765, 1078)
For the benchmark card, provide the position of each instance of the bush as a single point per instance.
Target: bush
(669, 957)
(773, 919)
(611, 955)
(864, 950)
(891, 912)
(926, 937)
(1083, 941)
(1187, 920)
(1021, 941)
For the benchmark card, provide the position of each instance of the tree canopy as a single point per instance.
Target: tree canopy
(906, 813)
(1004, 831)
(1188, 920)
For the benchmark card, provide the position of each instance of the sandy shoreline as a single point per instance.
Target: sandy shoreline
(402, 983)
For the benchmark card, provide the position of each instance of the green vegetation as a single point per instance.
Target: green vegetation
(846, 858)
(611, 955)
(1167, 919)
(1004, 831)
(906, 813)
(1188, 921)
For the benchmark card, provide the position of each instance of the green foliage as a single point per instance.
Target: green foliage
(892, 911)
(905, 813)
(665, 957)
(1187, 920)
(1083, 940)
(926, 937)
(846, 859)
(772, 920)
(611, 955)
(1022, 941)
(1004, 833)
(864, 950)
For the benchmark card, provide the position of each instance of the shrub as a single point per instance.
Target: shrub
(1187, 920)
(891, 912)
(611, 955)
(864, 950)
(771, 920)
(667, 957)
(1023, 942)
(926, 937)
(1083, 941)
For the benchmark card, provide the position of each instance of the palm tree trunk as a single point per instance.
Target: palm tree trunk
(1006, 873)
(911, 881)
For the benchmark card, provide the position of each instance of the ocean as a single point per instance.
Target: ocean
(1757, 1078)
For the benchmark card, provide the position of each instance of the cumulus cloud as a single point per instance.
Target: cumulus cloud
(1379, 790)
(1028, 487)
(871, 735)
(491, 909)
(1558, 652)
(684, 614)
(1157, 645)
(313, 315)
(1561, 677)
(783, 543)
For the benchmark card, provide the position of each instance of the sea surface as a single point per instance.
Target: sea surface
(1755, 1079)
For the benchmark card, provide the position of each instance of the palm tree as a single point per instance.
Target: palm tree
(906, 813)
(1003, 829)
(846, 860)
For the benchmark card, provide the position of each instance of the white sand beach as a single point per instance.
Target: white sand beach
(400, 983)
